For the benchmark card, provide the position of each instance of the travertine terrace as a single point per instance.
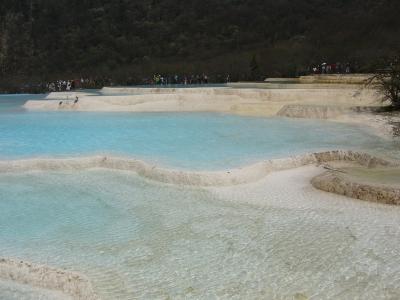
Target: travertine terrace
(247, 101)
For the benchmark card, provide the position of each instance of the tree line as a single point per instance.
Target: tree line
(127, 40)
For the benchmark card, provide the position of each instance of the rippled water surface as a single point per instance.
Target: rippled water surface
(14, 291)
(184, 140)
(137, 239)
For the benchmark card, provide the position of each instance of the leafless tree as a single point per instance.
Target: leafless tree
(387, 80)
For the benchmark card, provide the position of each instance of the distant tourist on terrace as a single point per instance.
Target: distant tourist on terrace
(331, 68)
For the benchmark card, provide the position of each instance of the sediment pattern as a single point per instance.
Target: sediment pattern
(322, 111)
(80, 288)
(72, 284)
(230, 100)
(333, 183)
(236, 176)
(359, 79)
(313, 111)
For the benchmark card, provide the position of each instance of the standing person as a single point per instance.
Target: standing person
(348, 68)
(228, 78)
(328, 69)
(205, 78)
(323, 68)
(338, 67)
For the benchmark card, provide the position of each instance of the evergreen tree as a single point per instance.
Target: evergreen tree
(255, 72)
(46, 39)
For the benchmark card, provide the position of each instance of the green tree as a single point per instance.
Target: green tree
(255, 72)
(58, 39)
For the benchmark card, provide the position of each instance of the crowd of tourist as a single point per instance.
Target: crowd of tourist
(72, 84)
(61, 85)
(331, 68)
(158, 79)
(164, 80)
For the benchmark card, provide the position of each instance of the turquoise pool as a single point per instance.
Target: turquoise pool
(184, 140)
(140, 239)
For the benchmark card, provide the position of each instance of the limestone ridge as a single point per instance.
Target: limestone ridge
(41, 276)
(248, 101)
(333, 183)
(246, 174)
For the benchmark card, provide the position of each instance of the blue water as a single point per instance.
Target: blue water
(183, 140)
(14, 102)
(139, 239)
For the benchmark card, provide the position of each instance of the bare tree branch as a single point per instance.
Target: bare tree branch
(387, 80)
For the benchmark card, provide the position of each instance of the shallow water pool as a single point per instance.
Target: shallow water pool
(137, 239)
(183, 140)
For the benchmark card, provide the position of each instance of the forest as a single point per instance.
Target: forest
(129, 40)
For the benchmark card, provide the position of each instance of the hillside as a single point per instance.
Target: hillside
(46, 39)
